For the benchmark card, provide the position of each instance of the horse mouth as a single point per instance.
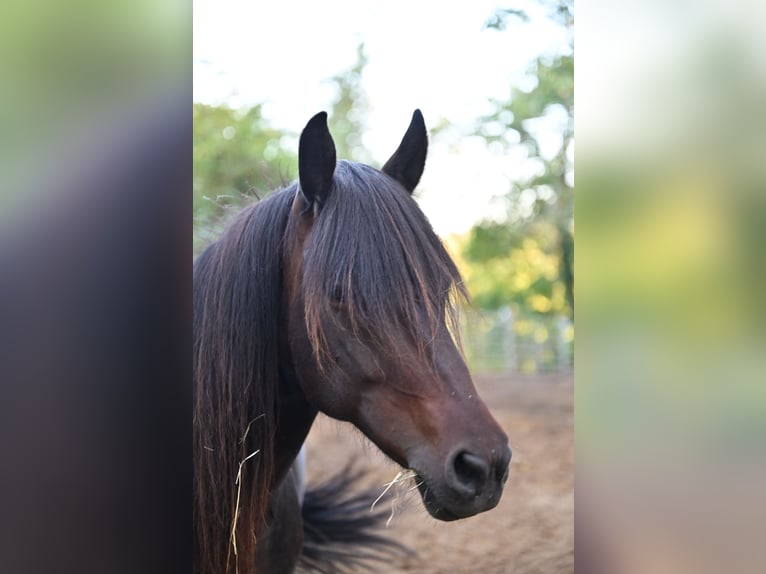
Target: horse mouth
(432, 504)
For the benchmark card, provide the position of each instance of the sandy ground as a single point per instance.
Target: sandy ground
(530, 531)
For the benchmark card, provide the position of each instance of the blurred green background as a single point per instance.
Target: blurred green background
(671, 210)
(70, 72)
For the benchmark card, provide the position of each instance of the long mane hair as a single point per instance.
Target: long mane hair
(237, 290)
(371, 251)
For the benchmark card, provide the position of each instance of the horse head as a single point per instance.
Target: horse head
(369, 296)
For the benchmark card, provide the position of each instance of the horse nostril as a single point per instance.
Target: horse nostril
(470, 471)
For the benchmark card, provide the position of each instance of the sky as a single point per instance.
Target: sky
(421, 55)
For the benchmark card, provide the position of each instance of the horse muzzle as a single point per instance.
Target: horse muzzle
(470, 483)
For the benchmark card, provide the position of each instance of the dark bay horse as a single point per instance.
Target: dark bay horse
(333, 295)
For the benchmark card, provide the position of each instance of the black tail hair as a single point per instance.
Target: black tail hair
(341, 533)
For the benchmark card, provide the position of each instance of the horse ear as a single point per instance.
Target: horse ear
(409, 159)
(316, 160)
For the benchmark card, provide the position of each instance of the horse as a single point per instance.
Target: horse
(331, 295)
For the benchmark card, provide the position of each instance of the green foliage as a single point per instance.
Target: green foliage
(499, 20)
(491, 241)
(504, 266)
(527, 260)
(236, 154)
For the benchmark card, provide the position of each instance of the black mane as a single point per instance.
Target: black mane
(237, 290)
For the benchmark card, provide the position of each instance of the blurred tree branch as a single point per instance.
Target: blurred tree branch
(541, 207)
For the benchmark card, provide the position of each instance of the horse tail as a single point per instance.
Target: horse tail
(341, 533)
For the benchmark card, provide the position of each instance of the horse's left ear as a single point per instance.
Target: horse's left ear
(316, 160)
(409, 159)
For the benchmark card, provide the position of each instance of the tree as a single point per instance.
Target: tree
(539, 226)
(236, 154)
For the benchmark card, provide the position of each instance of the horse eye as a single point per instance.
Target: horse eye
(337, 294)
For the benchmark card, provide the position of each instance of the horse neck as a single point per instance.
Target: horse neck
(294, 414)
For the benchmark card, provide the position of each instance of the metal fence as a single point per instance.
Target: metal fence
(506, 342)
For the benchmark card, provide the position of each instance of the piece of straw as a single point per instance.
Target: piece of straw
(238, 482)
(398, 479)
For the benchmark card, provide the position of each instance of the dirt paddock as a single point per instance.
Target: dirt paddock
(530, 531)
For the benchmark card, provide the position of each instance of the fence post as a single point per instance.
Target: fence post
(505, 315)
(563, 345)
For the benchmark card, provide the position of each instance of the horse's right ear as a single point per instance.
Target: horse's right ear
(316, 161)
